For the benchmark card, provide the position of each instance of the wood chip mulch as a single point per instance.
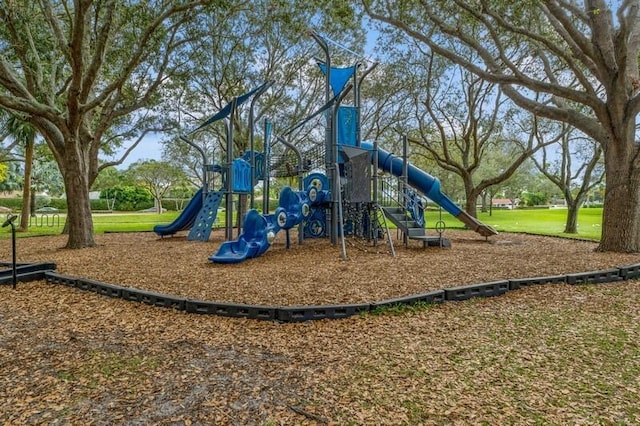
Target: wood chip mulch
(313, 273)
(552, 354)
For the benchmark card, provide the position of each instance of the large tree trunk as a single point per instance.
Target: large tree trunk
(26, 191)
(472, 195)
(79, 221)
(621, 213)
(571, 224)
(485, 205)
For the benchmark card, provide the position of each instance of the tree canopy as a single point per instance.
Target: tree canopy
(575, 62)
(89, 76)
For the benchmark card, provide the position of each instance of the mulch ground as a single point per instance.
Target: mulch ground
(313, 273)
(554, 354)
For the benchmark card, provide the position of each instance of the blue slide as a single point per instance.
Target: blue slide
(259, 230)
(256, 237)
(185, 220)
(430, 187)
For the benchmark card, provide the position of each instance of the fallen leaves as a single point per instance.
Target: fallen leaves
(555, 353)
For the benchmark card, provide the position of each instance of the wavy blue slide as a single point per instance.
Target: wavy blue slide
(430, 187)
(185, 220)
(256, 237)
(259, 230)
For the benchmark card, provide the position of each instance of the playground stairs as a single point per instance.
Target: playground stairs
(201, 230)
(381, 223)
(411, 230)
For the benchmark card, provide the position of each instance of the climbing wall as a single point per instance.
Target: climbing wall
(201, 229)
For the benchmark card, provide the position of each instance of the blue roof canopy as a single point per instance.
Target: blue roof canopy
(338, 77)
(224, 112)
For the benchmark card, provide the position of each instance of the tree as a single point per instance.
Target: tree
(580, 60)
(24, 135)
(236, 52)
(12, 176)
(575, 168)
(127, 197)
(157, 177)
(107, 179)
(4, 173)
(88, 76)
(463, 120)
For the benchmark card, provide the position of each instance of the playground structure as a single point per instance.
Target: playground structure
(346, 198)
(339, 190)
(239, 176)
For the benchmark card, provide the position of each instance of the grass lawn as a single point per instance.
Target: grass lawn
(542, 221)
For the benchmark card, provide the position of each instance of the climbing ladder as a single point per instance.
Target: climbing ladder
(201, 229)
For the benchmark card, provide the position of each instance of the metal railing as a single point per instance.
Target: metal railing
(392, 193)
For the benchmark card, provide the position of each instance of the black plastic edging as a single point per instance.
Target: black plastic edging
(26, 272)
(23, 278)
(27, 268)
(103, 289)
(595, 277)
(436, 296)
(231, 309)
(309, 313)
(55, 278)
(490, 289)
(153, 298)
(518, 283)
(630, 272)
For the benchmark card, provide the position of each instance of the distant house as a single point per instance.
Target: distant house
(93, 195)
(504, 203)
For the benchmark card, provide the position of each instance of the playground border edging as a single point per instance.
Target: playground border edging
(436, 296)
(309, 313)
(525, 282)
(26, 272)
(287, 314)
(630, 271)
(595, 277)
(235, 310)
(489, 289)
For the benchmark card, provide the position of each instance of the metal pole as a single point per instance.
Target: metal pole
(328, 155)
(341, 228)
(405, 179)
(357, 85)
(356, 102)
(252, 154)
(267, 168)
(228, 233)
(375, 171)
(14, 268)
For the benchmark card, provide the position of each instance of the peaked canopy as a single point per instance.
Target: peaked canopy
(339, 76)
(224, 112)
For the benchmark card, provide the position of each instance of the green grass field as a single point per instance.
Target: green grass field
(541, 221)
